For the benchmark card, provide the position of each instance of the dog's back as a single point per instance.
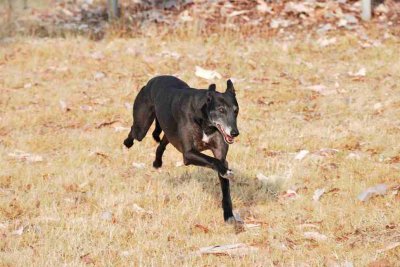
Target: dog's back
(161, 90)
(165, 82)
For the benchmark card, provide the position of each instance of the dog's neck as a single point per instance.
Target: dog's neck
(207, 128)
(202, 120)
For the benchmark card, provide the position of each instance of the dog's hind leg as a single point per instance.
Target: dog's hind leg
(157, 131)
(160, 151)
(143, 117)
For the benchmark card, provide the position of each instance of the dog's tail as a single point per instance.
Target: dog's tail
(128, 142)
(143, 117)
(157, 131)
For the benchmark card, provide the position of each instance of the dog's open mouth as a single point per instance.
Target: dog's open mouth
(228, 139)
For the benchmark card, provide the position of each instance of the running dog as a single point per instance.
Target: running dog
(193, 120)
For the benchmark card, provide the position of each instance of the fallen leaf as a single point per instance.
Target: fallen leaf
(126, 253)
(389, 247)
(333, 190)
(184, 16)
(379, 189)
(101, 101)
(315, 236)
(382, 8)
(308, 225)
(86, 108)
(121, 129)
(378, 106)
(380, 263)
(106, 123)
(138, 209)
(301, 155)
(324, 28)
(252, 225)
(19, 231)
(321, 89)
(290, 194)
(277, 23)
(97, 55)
(360, 73)
(207, 74)
(97, 153)
(138, 165)
(24, 156)
(106, 216)
(345, 264)
(98, 75)
(170, 54)
(64, 106)
(232, 250)
(324, 42)
(262, 177)
(269, 179)
(325, 152)
(202, 227)
(237, 13)
(263, 7)
(318, 194)
(87, 259)
(27, 86)
(354, 155)
(395, 159)
(296, 8)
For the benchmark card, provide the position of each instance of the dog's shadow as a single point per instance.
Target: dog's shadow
(246, 190)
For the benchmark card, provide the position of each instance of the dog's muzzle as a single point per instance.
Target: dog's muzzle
(228, 138)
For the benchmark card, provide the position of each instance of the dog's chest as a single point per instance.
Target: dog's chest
(204, 141)
(207, 138)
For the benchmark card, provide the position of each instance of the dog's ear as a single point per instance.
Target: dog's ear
(212, 87)
(209, 96)
(229, 87)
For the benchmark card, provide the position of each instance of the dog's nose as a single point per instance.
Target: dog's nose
(234, 133)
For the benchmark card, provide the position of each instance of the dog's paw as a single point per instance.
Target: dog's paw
(157, 164)
(237, 223)
(231, 220)
(227, 175)
(128, 142)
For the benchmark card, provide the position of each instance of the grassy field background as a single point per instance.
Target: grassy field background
(68, 101)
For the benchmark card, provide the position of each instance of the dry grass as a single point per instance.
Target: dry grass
(86, 172)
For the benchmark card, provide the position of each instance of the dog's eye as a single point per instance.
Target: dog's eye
(221, 109)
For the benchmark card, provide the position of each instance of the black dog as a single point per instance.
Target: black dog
(193, 120)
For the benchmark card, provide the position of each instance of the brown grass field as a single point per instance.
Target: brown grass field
(78, 204)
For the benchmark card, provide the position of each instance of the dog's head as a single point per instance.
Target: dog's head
(222, 110)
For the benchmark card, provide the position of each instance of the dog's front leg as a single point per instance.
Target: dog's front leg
(226, 200)
(220, 153)
(193, 157)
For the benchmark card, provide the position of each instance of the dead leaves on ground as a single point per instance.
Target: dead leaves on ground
(275, 17)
